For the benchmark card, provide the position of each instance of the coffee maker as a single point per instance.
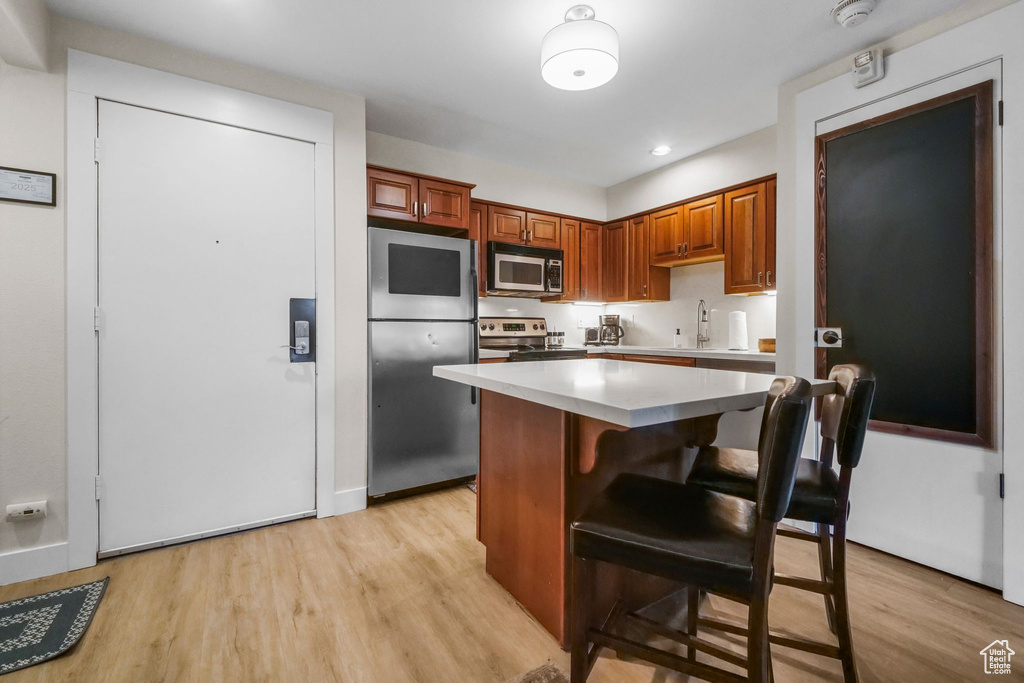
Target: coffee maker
(611, 330)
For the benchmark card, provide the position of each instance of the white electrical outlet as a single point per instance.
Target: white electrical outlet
(26, 511)
(581, 323)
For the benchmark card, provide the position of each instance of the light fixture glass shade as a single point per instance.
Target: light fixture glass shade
(580, 54)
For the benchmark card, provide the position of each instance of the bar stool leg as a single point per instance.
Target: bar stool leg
(825, 563)
(582, 572)
(692, 613)
(758, 654)
(844, 632)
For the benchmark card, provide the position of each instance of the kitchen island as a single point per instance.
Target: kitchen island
(553, 434)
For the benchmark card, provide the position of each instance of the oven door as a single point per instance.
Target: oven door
(513, 272)
(421, 277)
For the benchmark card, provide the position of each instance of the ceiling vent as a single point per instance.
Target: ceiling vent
(850, 13)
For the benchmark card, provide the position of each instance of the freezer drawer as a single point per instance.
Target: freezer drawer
(423, 429)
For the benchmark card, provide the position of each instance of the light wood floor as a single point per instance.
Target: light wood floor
(398, 593)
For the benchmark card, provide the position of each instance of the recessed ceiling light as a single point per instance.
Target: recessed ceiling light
(661, 150)
(580, 54)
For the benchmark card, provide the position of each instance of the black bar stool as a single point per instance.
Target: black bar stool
(709, 541)
(819, 496)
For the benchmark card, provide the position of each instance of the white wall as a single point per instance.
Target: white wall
(32, 285)
(494, 182)
(746, 158)
(24, 33)
(931, 502)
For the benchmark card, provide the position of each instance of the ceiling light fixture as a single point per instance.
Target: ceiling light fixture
(661, 150)
(580, 54)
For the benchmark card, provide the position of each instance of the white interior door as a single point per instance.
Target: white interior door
(205, 233)
(936, 502)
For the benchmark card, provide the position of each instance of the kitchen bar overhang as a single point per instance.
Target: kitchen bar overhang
(553, 434)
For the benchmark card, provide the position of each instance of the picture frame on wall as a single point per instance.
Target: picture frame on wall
(23, 186)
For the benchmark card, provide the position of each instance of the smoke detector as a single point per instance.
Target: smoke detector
(850, 13)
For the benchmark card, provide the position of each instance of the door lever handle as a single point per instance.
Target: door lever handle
(301, 347)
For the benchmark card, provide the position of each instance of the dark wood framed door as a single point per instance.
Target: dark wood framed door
(904, 256)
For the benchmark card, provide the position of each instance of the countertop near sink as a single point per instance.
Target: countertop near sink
(723, 354)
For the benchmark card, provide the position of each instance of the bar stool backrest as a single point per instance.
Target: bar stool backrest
(782, 436)
(845, 414)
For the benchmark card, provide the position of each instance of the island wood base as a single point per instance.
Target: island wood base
(539, 468)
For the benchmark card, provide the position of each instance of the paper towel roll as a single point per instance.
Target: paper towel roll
(738, 331)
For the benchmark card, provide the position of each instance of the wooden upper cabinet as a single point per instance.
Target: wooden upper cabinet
(591, 262)
(702, 230)
(637, 258)
(644, 281)
(506, 225)
(391, 195)
(769, 241)
(543, 230)
(443, 204)
(570, 231)
(666, 239)
(615, 267)
(478, 232)
(416, 198)
(745, 239)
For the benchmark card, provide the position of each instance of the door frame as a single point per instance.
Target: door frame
(91, 78)
(989, 39)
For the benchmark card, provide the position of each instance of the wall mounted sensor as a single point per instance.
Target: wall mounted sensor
(868, 67)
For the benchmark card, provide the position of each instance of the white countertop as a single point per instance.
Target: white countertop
(621, 392)
(722, 354)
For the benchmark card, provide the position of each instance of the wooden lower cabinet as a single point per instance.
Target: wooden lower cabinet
(485, 361)
(591, 260)
(614, 267)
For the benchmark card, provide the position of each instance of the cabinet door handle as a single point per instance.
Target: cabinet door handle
(759, 277)
(686, 248)
(645, 290)
(768, 280)
(416, 209)
(529, 235)
(679, 250)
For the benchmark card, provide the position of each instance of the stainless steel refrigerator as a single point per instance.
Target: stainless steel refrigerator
(422, 313)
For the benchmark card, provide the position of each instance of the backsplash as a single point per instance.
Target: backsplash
(653, 324)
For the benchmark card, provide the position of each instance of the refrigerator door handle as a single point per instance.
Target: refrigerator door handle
(474, 341)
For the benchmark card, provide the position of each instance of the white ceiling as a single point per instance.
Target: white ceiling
(465, 74)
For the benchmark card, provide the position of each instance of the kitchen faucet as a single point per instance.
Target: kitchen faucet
(702, 317)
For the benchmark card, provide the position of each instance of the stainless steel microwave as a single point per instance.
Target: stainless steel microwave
(518, 270)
